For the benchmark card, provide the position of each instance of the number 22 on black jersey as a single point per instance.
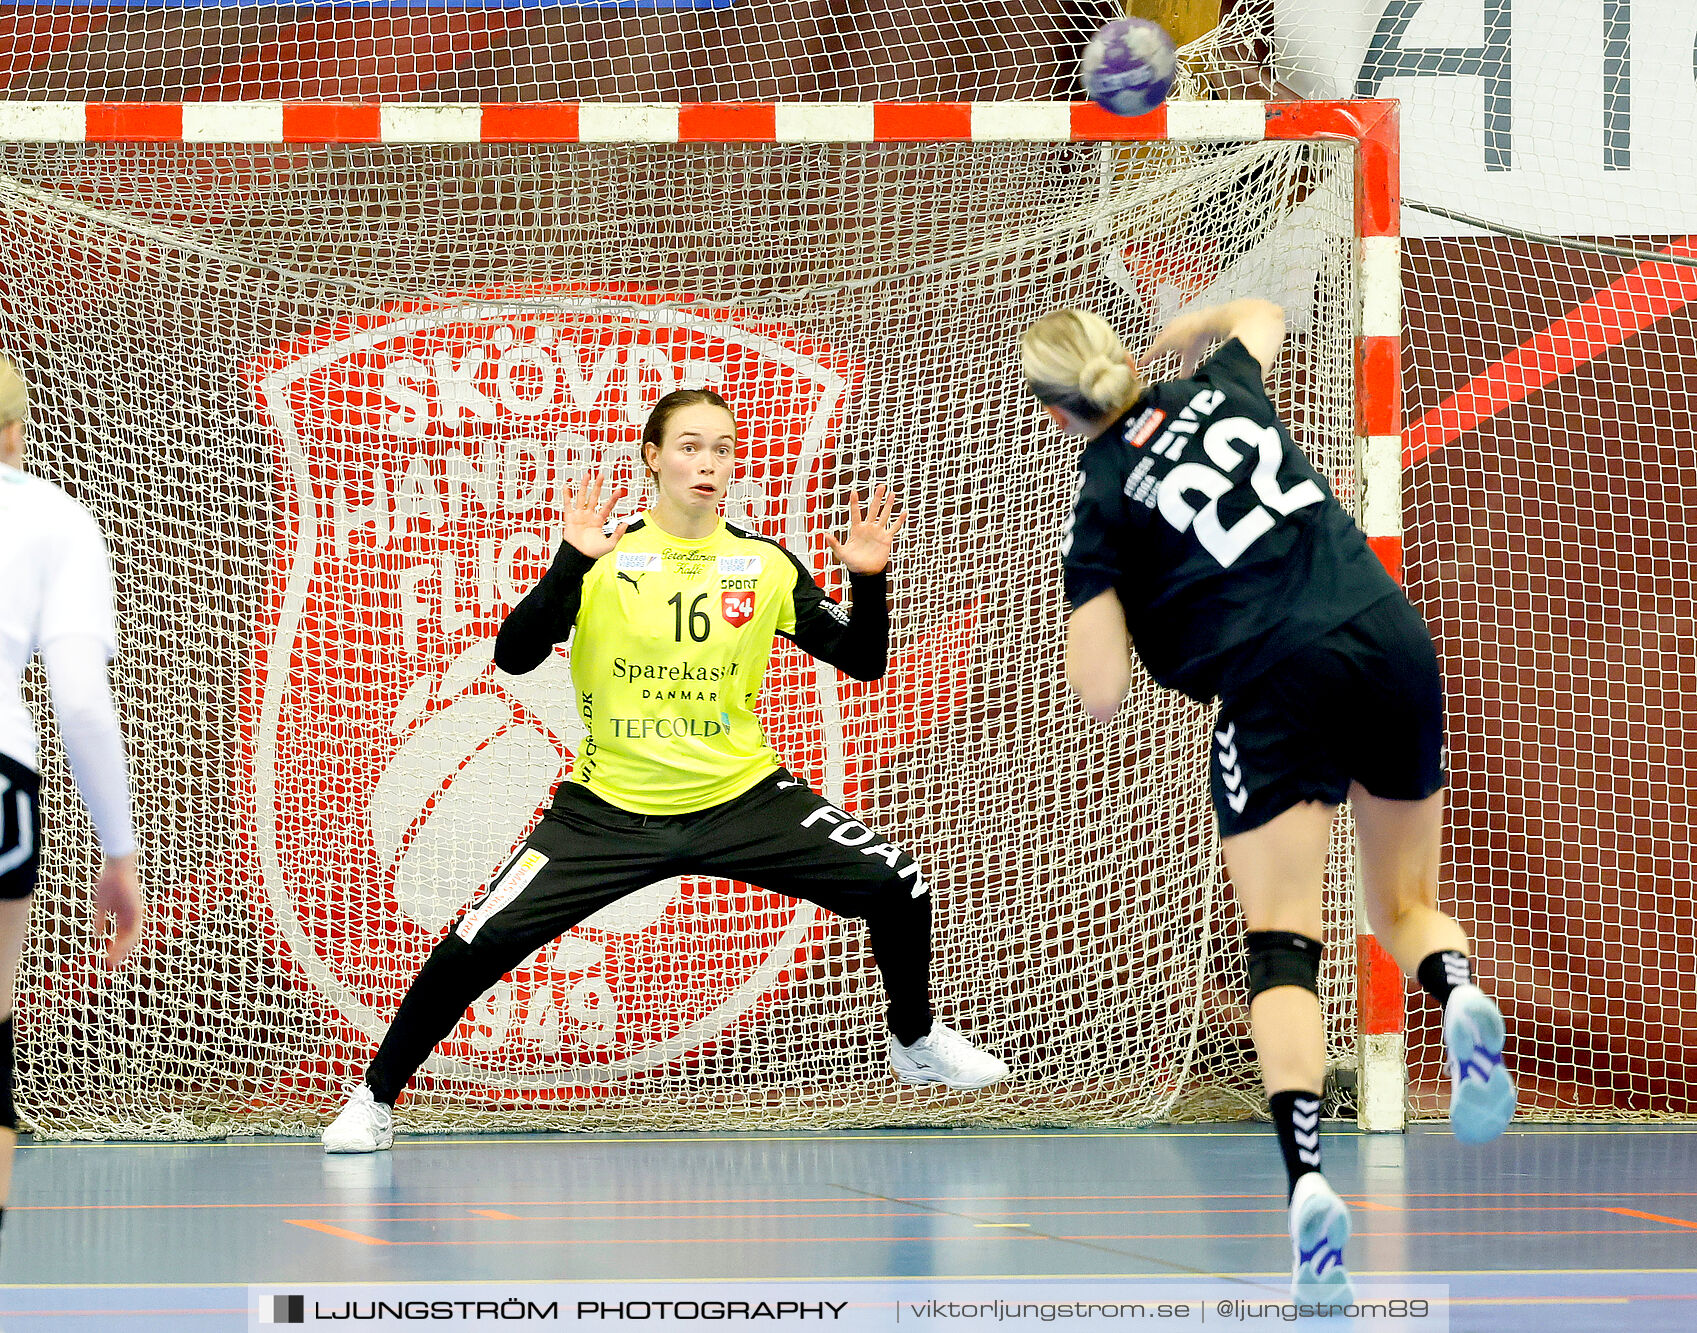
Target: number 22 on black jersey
(1209, 481)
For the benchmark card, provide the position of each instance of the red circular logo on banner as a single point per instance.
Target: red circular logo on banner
(422, 450)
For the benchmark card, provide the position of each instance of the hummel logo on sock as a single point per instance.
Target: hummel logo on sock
(1440, 973)
(1305, 1122)
(1296, 1117)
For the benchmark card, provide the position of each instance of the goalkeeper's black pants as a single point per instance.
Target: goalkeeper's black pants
(585, 854)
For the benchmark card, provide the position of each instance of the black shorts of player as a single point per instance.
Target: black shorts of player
(779, 835)
(1364, 703)
(20, 828)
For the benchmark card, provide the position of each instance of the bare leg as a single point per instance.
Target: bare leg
(1400, 843)
(1279, 873)
(14, 921)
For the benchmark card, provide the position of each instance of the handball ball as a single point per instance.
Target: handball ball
(1129, 67)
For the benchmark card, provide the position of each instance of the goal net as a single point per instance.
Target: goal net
(1548, 273)
(323, 397)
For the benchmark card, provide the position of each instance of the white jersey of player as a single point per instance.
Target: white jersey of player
(55, 582)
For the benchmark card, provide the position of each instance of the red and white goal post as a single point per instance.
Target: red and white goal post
(321, 370)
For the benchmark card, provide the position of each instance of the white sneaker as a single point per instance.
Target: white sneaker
(942, 1055)
(1319, 1227)
(365, 1125)
(1481, 1092)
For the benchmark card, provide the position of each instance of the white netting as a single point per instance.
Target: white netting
(1564, 116)
(322, 399)
(1549, 546)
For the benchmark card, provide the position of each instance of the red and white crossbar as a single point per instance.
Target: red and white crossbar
(1371, 125)
(706, 122)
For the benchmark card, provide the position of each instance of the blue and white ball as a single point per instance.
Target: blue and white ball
(1129, 67)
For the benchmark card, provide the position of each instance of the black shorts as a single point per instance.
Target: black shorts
(779, 835)
(20, 828)
(1363, 704)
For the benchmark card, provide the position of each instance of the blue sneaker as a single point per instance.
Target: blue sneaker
(1319, 1228)
(1481, 1092)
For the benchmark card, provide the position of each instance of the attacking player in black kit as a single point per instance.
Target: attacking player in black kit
(688, 785)
(1201, 535)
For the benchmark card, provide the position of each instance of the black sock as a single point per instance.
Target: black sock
(901, 946)
(1440, 973)
(1296, 1117)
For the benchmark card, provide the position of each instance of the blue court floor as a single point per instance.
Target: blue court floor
(1552, 1228)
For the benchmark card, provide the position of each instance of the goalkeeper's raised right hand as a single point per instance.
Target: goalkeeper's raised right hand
(586, 514)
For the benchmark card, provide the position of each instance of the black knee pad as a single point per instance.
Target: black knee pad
(1282, 958)
(8, 1112)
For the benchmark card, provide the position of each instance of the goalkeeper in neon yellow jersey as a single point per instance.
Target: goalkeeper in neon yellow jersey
(675, 616)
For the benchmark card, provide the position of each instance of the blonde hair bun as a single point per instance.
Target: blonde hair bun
(1073, 359)
(1107, 381)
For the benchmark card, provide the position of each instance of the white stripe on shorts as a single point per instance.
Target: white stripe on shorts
(17, 855)
(516, 881)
